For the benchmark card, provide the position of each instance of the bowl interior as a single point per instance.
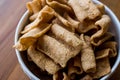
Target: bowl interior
(35, 73)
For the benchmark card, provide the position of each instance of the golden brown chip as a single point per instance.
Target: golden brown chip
(87, 26)
(59, 7)
(81, 27)
(84, 9)
(99, 40)
(34, 6)
(102, 53)
(57, 21)
(29, 38)
(87, 55)
(65, 35)
(21, 47)
(73, 22)
(74, 67)
(44, 16)
(103, 23)
(102, 69)
(65, 22)
(112, 45)
(42, 61)
(56, 50)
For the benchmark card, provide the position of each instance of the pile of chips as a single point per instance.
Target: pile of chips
(68, 38)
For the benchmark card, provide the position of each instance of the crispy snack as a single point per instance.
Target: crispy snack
(44, 15)
(81, 27)
(99, 40)
(84, 9)
(87, 55)
(73, 22)
(65, 22)
(43, 61)
(112, 45)
(103, 68)
(65, 35)
(59, 52)
(34, 6)
(103, 23)
(31, 37)
(59, 7)
(74, 67)
(103, 53)
(87, 26)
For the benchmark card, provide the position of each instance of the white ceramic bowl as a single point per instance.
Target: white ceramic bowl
(114, 28)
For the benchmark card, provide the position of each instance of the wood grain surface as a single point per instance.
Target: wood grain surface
(10, 13)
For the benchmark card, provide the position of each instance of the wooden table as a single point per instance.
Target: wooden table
(10, 13)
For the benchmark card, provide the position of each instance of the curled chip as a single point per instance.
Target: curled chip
(103, 68)
(112, 45)
(103, 53)
(44, 15)
(64, 21)
(65, 35)
(34, 6)
(74, 67)
(74, 23)
(87, 26)
(99, 40)
(59, 52)
(87, 55)
(31, 37)
(42, 61)
(84, 9)
(103, 23)
(58, 7)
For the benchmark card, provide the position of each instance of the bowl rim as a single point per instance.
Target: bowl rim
(117, 23)
(31, 75)
(20, 60)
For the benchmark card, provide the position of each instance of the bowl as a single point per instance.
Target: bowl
(114, 28)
